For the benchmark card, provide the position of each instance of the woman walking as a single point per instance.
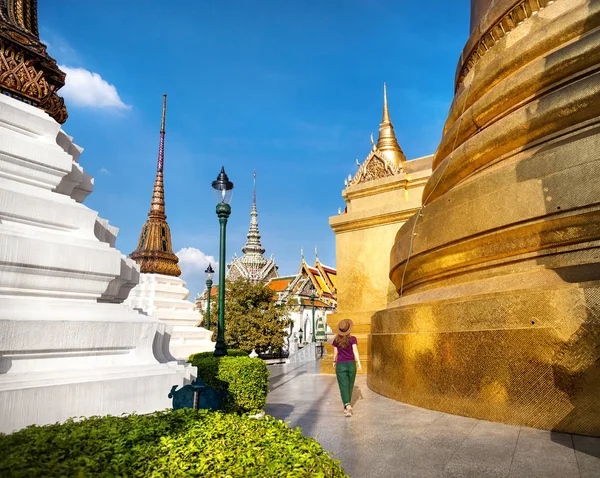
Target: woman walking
(345, 362)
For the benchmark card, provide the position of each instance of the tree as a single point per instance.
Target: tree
(252, 320)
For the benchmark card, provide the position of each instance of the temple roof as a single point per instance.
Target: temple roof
(318, 279)
(386, 157)
(27, 72)
(154, 252)
(253, 265)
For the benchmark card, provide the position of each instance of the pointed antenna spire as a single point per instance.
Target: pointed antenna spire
(386, 113)
(387, 142)
(157, 205)
(302, 253)
(254, 197)
(316, 254)
(253, 245)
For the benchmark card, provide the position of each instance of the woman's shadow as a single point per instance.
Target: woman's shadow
(356, 395)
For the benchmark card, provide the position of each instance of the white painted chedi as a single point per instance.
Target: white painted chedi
(68, 347)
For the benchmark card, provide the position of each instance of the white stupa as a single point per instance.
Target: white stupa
(68, 346)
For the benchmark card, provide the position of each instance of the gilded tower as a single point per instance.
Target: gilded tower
(27, 72)
(385, 191)
(154, 252)
(498, 274)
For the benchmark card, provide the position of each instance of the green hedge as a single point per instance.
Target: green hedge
(165, 444)
(244, 378)
(230, 353)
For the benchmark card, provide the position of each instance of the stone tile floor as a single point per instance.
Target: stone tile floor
(386, 438)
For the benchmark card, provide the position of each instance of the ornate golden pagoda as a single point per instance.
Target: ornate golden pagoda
(154, 252)
(498, 274)
(27, 72)
(386, 157)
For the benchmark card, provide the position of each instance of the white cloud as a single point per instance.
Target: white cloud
(192, 260)
(86, 88)
(104, 171)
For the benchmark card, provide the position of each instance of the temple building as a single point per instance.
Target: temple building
(385, 191)
(497, 276)
(68, 347)
(252, 265)
(311, 287)
(161, 292)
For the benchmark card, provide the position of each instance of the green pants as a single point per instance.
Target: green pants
(346, 373)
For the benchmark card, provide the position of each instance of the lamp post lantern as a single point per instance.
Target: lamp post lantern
(209, 274)
(312, 300)
(224, 187)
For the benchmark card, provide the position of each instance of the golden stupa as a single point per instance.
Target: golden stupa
(498, 274)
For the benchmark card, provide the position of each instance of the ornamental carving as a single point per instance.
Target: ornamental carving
(376, 166)
(514, 17)
(27, 72)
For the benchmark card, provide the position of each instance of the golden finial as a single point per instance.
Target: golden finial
(386, 114)
(387, 142)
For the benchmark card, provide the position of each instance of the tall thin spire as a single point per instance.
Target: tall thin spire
(387, 142)
(154, 252)
(253, 245)
(157, 205)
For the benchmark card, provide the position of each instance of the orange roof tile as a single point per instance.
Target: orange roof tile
(279, 284)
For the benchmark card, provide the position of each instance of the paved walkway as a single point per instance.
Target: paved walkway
(386, 438)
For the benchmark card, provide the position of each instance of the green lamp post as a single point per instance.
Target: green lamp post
(224, 187)
(209, 274)
(312, 300)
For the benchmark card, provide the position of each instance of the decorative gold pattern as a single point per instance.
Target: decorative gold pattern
(525, 358)
(27, 72)
(374, 167)
(513, 18)
(499, 274)
(154, 252)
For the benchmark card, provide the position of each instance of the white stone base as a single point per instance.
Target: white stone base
(68, 347)
(164, 297)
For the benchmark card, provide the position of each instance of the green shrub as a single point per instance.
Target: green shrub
(165, 444)
(230, 353)
(244, 378)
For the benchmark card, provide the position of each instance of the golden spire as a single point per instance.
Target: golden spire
(387, 143)
(154, 252)
(29, 74)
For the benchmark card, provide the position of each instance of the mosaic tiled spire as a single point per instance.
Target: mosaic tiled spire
(387, 142)
(27, 72)
(154, 252)
(253, 265)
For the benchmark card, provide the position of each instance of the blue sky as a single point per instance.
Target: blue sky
(292, 89)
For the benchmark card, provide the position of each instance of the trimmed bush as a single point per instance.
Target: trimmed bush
(245, 379)
(230, 353)
(165, 444)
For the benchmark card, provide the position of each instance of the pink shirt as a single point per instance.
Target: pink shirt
(346, 355)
